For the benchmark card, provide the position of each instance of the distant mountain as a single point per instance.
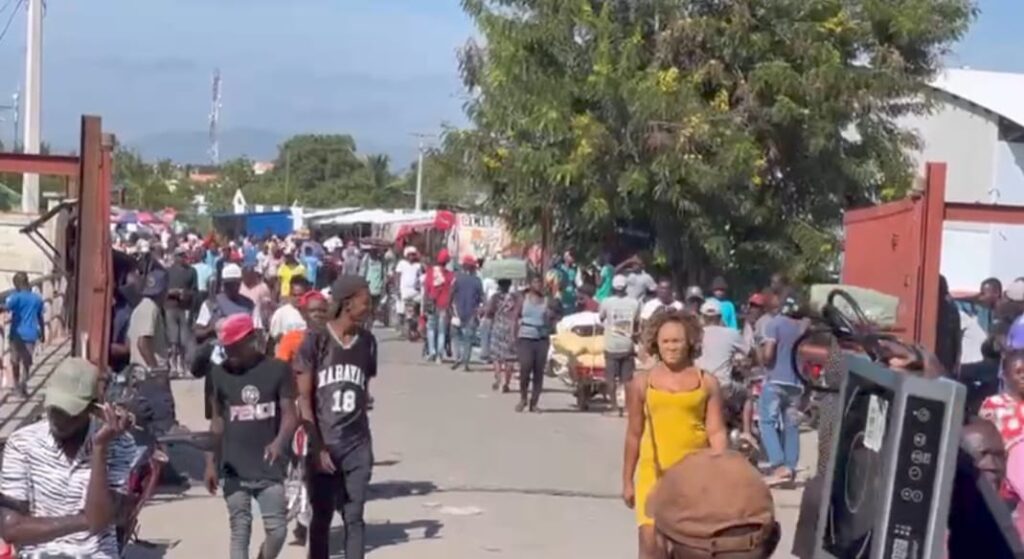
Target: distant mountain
(184, 146)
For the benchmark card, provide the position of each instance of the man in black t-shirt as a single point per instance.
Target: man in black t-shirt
(253, 403)
(334, 365)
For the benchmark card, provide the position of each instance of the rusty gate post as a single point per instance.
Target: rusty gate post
(931, 237)
(93, 272)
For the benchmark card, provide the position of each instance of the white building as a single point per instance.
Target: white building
(977, 129)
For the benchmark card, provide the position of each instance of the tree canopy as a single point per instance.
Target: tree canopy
(735, 132)
(318, 171)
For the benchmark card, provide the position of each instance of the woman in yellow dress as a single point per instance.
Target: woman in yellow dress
(674, 409)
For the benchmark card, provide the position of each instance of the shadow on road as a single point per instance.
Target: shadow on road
(391, 533)
(400, 489)
(150, 549)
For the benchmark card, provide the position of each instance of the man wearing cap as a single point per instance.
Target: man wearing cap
(252, 399)
(147, 334)
(182, 284)
(638, 282)
(620, 314)
(437, 298)
(714, 505)
(334, 366)
(719, 290)
(664, 300)
(720, 345)
(410, 272)
(467, 300)
(693, 300)
(68, 471)
(226, 303)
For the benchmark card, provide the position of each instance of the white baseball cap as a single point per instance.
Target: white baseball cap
(231, 271)
(1015, 291)
(619, 282)
(711, 307)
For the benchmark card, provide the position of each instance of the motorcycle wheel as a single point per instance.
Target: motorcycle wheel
(582, 397)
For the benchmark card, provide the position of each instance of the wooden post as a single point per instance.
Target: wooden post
(934, 215)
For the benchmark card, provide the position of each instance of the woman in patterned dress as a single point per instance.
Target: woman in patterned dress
(501, 309)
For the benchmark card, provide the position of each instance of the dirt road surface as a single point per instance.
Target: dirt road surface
(458, 474)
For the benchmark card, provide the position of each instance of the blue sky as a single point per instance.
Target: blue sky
(379, 69)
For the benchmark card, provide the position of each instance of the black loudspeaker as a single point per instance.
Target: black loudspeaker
(888, 485)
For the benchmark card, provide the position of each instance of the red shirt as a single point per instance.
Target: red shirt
(1007, 413)
(439, 290)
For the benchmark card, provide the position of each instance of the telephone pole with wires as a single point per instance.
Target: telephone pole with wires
(33, 97)
(419, 168)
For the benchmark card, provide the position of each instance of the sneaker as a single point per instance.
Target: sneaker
(520, 406)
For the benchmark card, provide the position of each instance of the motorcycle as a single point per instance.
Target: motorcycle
(146, 410)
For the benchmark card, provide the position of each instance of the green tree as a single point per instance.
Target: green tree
(447, 180)
(151, 186)
(737, 132)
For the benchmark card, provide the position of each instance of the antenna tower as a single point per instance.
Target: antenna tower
(215, 119)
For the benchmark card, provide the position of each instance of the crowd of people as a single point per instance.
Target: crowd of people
(281, 331)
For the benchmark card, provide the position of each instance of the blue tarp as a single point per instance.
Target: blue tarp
(255, 224)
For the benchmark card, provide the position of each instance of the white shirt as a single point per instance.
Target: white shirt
(37, 471)
(652, 306)
(204, 316)
(408, 278)
(286, 319)
(333, 243)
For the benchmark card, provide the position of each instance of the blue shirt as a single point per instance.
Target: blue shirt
(203, 274)
(249, 256)
(312, 266)
(212, 259)
(729, 314)
(26, 308)
(785, 332)
(467, 295)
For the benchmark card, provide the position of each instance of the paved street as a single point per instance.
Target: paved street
(459, 474)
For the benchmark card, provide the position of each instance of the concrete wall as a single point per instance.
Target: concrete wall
(972, 252)
(964, 137)
(18, 253)
(1009, 176)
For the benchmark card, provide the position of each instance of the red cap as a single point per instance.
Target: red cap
(442, 256)
(310, 296)
(468, 260)
(234, 328)
(757, 299)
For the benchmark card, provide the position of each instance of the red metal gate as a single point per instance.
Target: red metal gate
(87, 252)
(896, 248)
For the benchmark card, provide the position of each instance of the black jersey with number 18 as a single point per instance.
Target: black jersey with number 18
(340, 373)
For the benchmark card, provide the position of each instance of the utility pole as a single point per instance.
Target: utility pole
(33, 66)
(419, 168)
(419, 180)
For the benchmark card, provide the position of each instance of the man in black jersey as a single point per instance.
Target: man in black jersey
(334, 365)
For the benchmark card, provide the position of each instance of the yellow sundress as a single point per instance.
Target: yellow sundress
(678, 420)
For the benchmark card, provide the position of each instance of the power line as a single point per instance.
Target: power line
(6, 5)
(10, 20)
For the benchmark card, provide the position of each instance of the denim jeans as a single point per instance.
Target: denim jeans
(465, 335)
(437, 332)
(273, 507)
(779, 413)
